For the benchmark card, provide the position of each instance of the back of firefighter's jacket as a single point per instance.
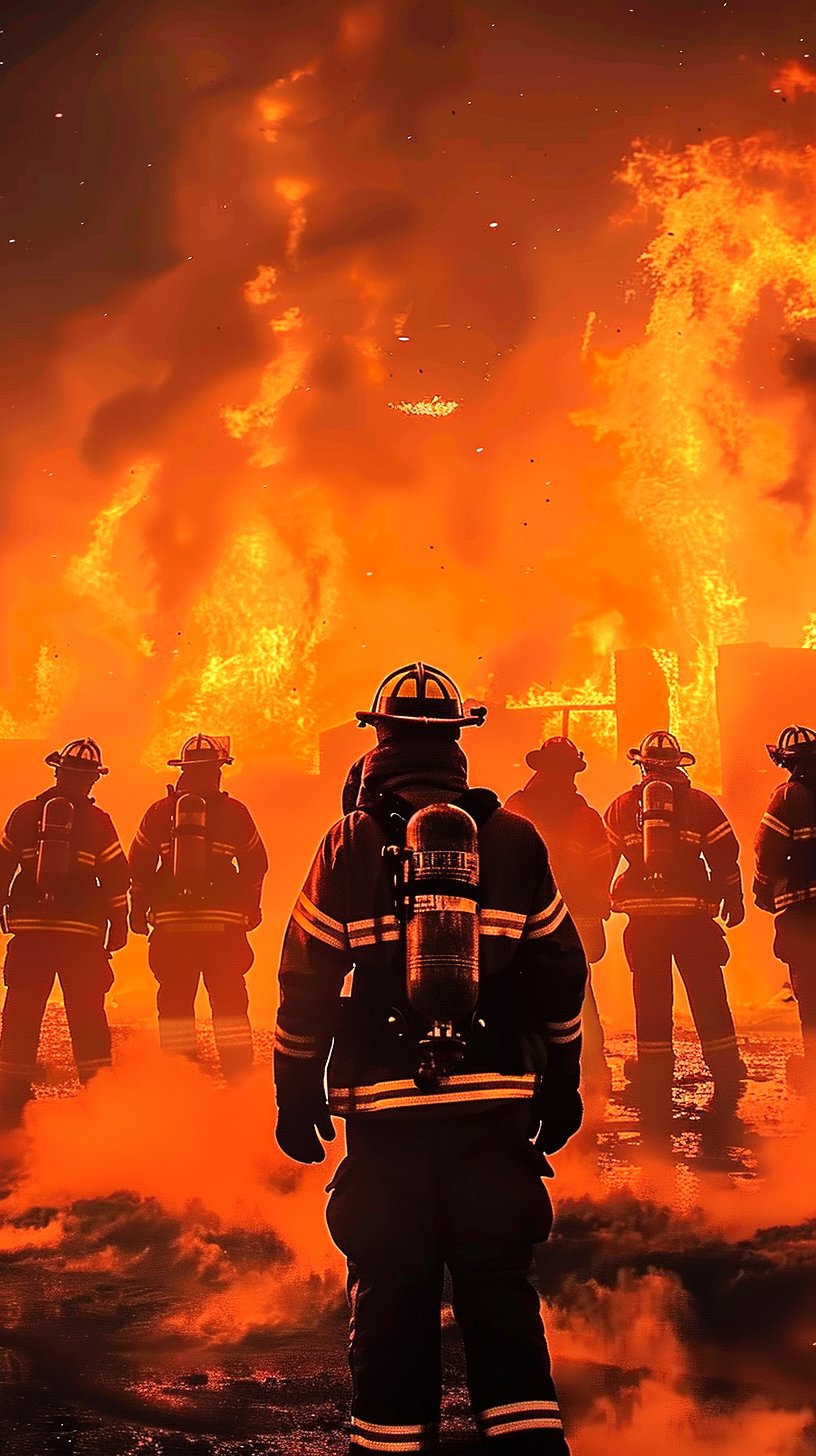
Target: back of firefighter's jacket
(703, 869)
(94, 889)
(532, 973)
(235, 864)
(785, 847)
(576, 839)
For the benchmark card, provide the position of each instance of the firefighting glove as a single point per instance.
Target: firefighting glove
(138, 921)
(556, 1116)
(298, 1128)
(733, 911)
(117, 936)
(254, 916)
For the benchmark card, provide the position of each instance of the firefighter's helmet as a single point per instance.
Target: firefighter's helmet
(660, 750)
(557, 755)
(81, 755)
(202, 748)
(794, 745)
(420, 693)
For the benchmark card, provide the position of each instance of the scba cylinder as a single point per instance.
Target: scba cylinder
(442, 922)
(190, 841)
(54, 848)
(657, 815)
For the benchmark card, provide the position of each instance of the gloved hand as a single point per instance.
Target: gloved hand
(295, 1131)
(733, 911)
(254, 916)
(138, 921)
(117, 936)
(556, 1115)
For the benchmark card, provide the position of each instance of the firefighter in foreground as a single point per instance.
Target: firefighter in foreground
(460, 1040)
(198, 865)
(785, 880)
(62, 862)
(576, 841)
(682, 872)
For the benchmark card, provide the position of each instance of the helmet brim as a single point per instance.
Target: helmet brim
(199, 762)
(56, 760)
(537, 759)
(475, 719)
(685, 759)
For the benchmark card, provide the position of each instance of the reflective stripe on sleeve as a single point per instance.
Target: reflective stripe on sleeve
(317, 924)
(544, 922)
(561, 1032)
(304, 1048)
(778, 827)
(720, 832)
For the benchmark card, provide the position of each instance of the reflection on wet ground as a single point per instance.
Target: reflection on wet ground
(91, 1365)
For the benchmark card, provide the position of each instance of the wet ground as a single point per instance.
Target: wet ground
(84, 1369)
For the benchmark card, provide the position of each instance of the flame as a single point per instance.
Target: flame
(809, 639)
(435, 408)
(51, 680)
(93, 576)
(248, 671)
(735, 235)
(589, 704)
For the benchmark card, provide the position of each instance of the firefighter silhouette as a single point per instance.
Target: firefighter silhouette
(459, 1041)
(682, 872)
(197, 865)
(785, 879)
(579, 853)
(65, 879)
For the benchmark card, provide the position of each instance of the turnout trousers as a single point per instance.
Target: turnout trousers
(178, 960)
(795, 945)
(33, 959)
(410, 1198)
(698, 946)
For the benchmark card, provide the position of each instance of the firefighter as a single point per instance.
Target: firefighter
(61, 861)
(198, 865)
(576, 840)
(682, 872)
(785, 879)
(460, 1038)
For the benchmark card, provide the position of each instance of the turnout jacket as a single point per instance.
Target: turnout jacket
(532, 974)
(705, 868)
(235, 868)
(95, 891)
(785, 848)
(575, 836)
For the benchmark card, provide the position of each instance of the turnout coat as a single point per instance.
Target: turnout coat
(532, 973)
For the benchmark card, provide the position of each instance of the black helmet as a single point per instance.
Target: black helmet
(420, 693)
(662, 750)
(560, 754)
(83, 755)
(202, 748)
(794, 745)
